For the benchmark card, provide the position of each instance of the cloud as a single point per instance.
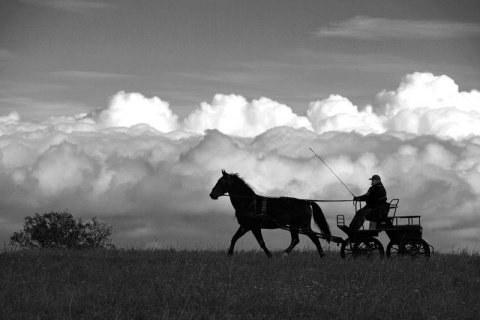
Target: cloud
(337, 113)
(422, 104)
(76, 6)
(234, 115)
(89, 75)
(154, 187)
(366, 28)
(135, 165)
(129, 109)
(429, 104)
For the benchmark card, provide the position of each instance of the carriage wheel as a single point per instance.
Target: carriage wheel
(415, 247)
(392, 248)
(346, 249)
(368, 247)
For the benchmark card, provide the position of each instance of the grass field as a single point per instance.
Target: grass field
(176, 284)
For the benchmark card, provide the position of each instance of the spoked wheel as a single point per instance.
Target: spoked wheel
(368, 248)
(414, 247)
(392, 249)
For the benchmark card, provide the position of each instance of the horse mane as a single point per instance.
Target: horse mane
(240, 181)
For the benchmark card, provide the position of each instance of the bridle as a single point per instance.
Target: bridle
(224, 184)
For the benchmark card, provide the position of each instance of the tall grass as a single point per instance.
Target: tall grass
(176, 284)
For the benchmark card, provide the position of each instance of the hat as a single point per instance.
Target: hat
(375, 177)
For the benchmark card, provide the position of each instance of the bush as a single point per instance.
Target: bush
(61, 230)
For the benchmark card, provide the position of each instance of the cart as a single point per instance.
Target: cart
(404, 232)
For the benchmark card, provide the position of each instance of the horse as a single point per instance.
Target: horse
(254, 212)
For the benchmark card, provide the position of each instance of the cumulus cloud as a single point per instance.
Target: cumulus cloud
(128, 109)
(337, 113)
(425, 90)
(422, 104)
(234, 115)
(135, 165)
(429, 104)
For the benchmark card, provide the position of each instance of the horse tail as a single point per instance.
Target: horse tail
(320, 220)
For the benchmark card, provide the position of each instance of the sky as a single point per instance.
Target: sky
(129, 110)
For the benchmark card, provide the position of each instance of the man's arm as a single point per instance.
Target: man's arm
(364, 197)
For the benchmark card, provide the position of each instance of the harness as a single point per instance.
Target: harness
(262, 215)
(255, 213)
(264, 206)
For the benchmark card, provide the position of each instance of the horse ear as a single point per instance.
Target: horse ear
(224, 173)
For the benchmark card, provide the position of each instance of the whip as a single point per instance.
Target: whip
(332, 171)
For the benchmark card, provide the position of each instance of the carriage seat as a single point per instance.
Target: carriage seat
(379, 216)
(379, 213)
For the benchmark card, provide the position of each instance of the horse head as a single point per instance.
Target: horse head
(222, 186)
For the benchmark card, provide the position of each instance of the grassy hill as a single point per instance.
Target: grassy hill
(176, 284)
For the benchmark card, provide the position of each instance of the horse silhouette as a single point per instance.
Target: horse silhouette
(254, 212)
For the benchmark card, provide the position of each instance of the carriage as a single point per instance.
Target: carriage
(254, 212)
(404, 233)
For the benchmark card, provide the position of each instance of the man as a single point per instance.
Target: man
(375, 197)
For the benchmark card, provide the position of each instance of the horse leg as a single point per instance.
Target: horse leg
(257, 232)
(295, 241)
(240, 232)
(315, 240)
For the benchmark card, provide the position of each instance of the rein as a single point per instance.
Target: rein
(311, 200)
(299, 230)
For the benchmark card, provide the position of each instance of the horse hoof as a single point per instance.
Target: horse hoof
(285, 255)
(322, 254)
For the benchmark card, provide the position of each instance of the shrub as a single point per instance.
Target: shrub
(61, 230)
